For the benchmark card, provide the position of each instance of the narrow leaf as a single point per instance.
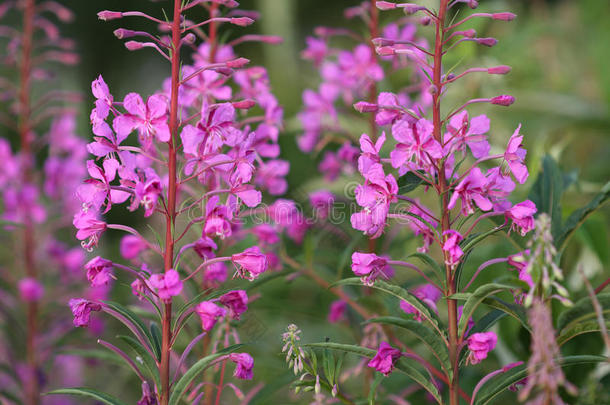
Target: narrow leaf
(87, 392)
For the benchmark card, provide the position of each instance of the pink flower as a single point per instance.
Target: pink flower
(322, 201)
(131, 246)
(244, 363)
(368, 266)
(428, 293)
(420, 228)
(271, 176)
(452, 247)
(215, 273)
(149, 119)
(471, 188)
(81, 309)
(236, 301)
(522, 215)
(251, 263)
(370, 152)
(209, 313)
(89, 228)
(99, 271)
(211, 132)
(463, 131)
(375, 196)
(479, 345)
(266, 234)
(337, 311)
(385, 358)
(330, 166)
(316, 50)
(168, 285)
(104, 99)
(205, 247)
(519, 262)
(387, 115)
(515, 156)
(415, 144)
(30, 290)
(217, 219)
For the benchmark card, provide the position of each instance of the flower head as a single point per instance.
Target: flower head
(99, 271)
(522, 215)
(236, 301)
(452, 247)
(30, 290)
(385, 359)
(81, 309)
(479, 345)
(209, 313)
(368, 266)
(337, 311)
(168, 285)
(251, 263)
(244, 363)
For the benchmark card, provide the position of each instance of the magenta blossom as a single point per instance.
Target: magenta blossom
(471, 188)
(209, 313)
(104, 99)
(515, 156)
(131, 246)
(81, 309)
(30, 290)
(322, 201)
(150, 119)
(428, 293)
(205, 247)
(416, 145)
(337, 311)
(368, 266)
(218, 219)
(236, 301)
(251, 263)
(522, 215)
(519, 262)
(89, 228)
(99, 271)
(385, 359)
(244, 363)
(479, 345)
(463, 131)
(215, 274)
(168, 285)
(452, 247)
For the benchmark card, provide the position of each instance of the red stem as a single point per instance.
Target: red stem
(170, 219)
(442, 186)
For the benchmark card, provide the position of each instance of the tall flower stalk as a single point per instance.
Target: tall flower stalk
(205, 140)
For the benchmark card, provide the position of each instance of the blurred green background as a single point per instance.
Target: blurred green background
(559, 52)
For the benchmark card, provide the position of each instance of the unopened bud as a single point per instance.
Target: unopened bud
(242, 21)
(365, 107)
(237, 63)
(385, 5)
(133, 45)
(499, 70)
(410, 9)
(244, 104)
(425, 21)
(450, 76)
(109, 15)
(504, 100)
(486, 41)
(382, 42)
(272, 39)
(385, 51)
(469, 33)
(503, 16)
(122, 33)
(225, 71)
(432, 89)
(189, 38)
(230, 3)
(473, 4)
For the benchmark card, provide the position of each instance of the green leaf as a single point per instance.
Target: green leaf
(579, 329)
(262, 397)
(403, 365)
(183, 383)
(410, 181)
(497, 384)
(438, 270)
(156, 336)
(423, 333)
(143, 357)
(137, 322)
(547, 190)
(87, 392)
(578, 217)
(400, 293)
(581, 311)
(514, 310)
(470, 243)
(476, 298)
(488, 320)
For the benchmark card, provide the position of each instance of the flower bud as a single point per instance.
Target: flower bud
(272, 39)
(237, 63)
(122, 33)
(503, 16)
(425, 21)
(242, 21)
(385, 5)
(109, 15)
(189, 38)
(432, 89)
(410, 9)
(382, 42)
(504, 100)
(385, 51)
(244, 104)
(133, 45)
(469, 33)
(230, 3)
(450, 76)
(30, 290)
(225, 71)
(473, 4)
(499, 70)
(486, 41)
(365, 107)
